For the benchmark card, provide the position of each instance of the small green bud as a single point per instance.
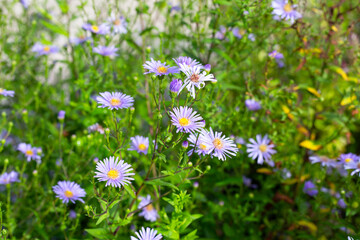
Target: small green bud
(355, 205)
(6, 161)
(208, 168)
(190, 164)
(35, 172)
(159, 116)
(73, 137)
(3, 141)
(251, 195)
(11, 124)
(89, 136)
(4, 232)
(132, 109)
(87, 208)
(148, 49)
(3, 114)
(24, 112)
(342, 192)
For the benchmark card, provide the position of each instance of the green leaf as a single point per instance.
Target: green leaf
(98, 233)
(102, 218)
(191, 236)
(159, 182)
(130, 190)
(55, 28)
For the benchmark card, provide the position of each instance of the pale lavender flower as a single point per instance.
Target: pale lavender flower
(69, 191)
(221, 33)
(116, 173)
(323, 160)
(6, 93)
(139, 144)
(310, 189)
(248, 182)
(31, 153)
(238, 33)
(353, 166)
(252, 37)
(196, 184)
(252, 104)
(187, 61)
(220, 146)
(79, 40)
(261, 149)
(109, 51)
(197, 143)
(114, 100)
(175, 85)
(207, 67)
(102, 29)
(148, 234)
(41, 49)
(246, 12)
(348, 158)
(7, 178)
(96, 128)
(341, 203)
(147, 209)
(276, 55)
(185, 144)
(25, 3)
(118, 24)
(61, 115)
(159, 68)
(285, 10)
(194, 78)
(72, 214)
(186, 119)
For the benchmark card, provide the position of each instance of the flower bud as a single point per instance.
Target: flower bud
(207, 67)
(208, 167)
(190, 164)
(6, 161)
(185, 144)
(196, 184)
(61, 115)
(175, 86)
(107, 131)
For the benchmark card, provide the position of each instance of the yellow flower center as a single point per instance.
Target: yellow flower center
(29, 152)
(262, 147)
(239, 146)
(348, 160)
(202, 146)
(287, 7)
(68, 194)
(115, 102)
(46, 48)
(1, 90)
(195, 78)
(218, 143)
(117, 22)
(94, 28)
(149, 207)
(142, 147)
(162, 69)
(184, 121)
(82, 37)
(113, 174)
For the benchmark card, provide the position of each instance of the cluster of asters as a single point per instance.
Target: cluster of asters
(348, 161)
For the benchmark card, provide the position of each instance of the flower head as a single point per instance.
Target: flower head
(41, 49)
(139, 144)
(252, 37)
(118, 24)
(207, 67)
(353, 166)
(148, 234)
(186, 119)
(116, 173)
(252, 105)
(324, 161)
(114, 100)
(147, 209)
(61, 115)
(310, 189)
(285, 10)
(109, 51)
(348, 158)
(175, 85)
(6, 93)
(102, 29)
(96, 128)
(194, 78)
(69, 191)
(159, 68)
(238, 33)
(198, 144)
(221, 33)
(219, 145)
(25, 3)
(31, 153)
(187, 61)
(7, 178)
(79, 40)
(276, 55)
(260, 149)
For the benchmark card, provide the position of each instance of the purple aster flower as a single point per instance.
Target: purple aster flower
(159, 68)
(139, 144)
(175, 8)
(41, 49)
(118, 24)
(285, 10)
(148, 234)
(61, 115)
(115, 173)
(196, 184)
(324, 161)
(276, 55)
(353, 166)
(66, 190)
(106, 51)
(238, 33)
(246, 181)
(147, 209)
(102, 29)
(341, 203)
(7, 178)
(246, 12)
(96, 128)
(220, 146)
(207, 67)
(25, 3)
(202, 147)
(310, 189)
(194, 78)
(31, 153)
(72, 214)
(185, 144)
(6, 93)
(187, 61)
(79, 40)
(114, 100)
(221, 33)
(252, 104)
(186, 119)
(239, 142)
(251, 37)
(175, 85)
(261, 149)
(348, 158)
